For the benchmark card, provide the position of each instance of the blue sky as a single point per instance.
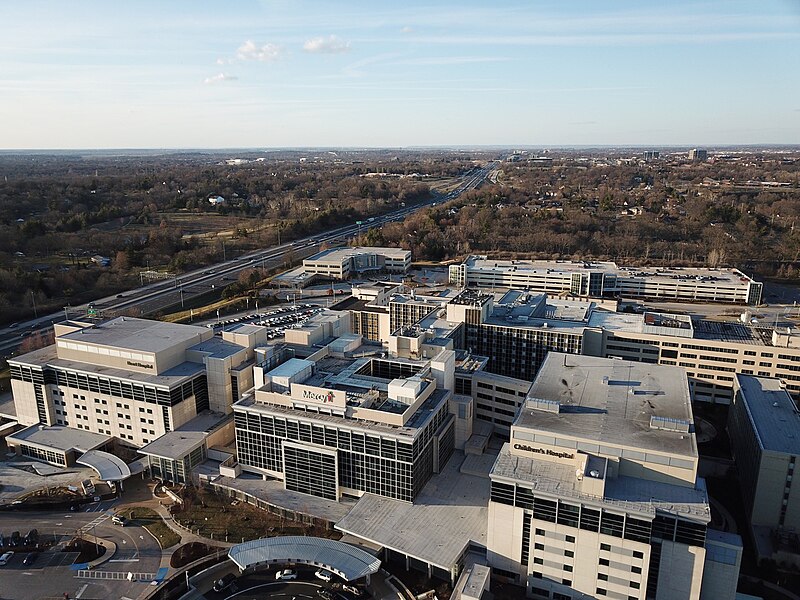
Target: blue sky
(274, 74)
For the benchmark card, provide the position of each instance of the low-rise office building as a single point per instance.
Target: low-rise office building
(764, 425)
(597, 493)
(604, 279)
(342, 263)
(129, 378)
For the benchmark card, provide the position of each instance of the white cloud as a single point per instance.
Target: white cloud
(266, 53)
(326, 45)
(407, 29)
(219, 78)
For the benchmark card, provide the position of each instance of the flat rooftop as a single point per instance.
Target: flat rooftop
(449, 513)
(142, 335)
(772, 412)
(177, 444)
(218, 348)
(59, 437)
(169, 378)
(566, 268)
(629, 493)
(611, 401)
(409, 431)
(355, 304)
(334, 254)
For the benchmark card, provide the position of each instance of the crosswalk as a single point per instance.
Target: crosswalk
(101, 518)
(118, 575)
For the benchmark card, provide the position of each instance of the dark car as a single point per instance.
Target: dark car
(30, 558)
(15, 538)
(223, 583)
(32, 538)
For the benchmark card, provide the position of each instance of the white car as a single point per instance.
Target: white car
(5, 558)
(323, 574)
(286, 575)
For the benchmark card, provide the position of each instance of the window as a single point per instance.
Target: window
(538, 561)
(569, 553)
(635, 585)
(636, 570)
(602, 576)
(566, 582)
(570, 539)
(568, 568)
(604, 562)
(637, 554)
(605, 547)
(538, 546)
(601, 592)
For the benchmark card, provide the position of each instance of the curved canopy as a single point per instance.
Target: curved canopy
(346, 561)
(107, 466)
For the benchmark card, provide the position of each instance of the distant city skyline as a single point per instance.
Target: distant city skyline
(360, 74)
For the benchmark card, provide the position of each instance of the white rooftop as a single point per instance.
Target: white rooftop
(611, 401)
(137, 334)
(60, 438)
(450, 512)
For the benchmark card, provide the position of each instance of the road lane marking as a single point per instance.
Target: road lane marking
(80, 591)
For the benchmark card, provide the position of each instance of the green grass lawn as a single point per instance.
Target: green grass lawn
(152, 521)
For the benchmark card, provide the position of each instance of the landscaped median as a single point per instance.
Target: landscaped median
(152, 521)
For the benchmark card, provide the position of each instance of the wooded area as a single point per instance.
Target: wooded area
(57, 212)
(741, 211)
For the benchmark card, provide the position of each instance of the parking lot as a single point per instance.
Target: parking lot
(277, 320)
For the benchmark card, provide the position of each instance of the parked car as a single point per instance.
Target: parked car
(286, 575)
(5, 558)
(29, 559)
(223, 583)
(323, 574)
(119, 520)
(15, 541)
(32, 538)
(352, 589)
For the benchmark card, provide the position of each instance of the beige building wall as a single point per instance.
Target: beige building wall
(25, 402)
(710, 364)
(769, 491)
(686, 560)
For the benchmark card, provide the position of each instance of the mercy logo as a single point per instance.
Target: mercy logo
(316, 397)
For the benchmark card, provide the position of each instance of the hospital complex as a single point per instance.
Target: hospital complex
(515, 421)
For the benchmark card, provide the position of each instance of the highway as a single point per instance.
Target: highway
(152, 298)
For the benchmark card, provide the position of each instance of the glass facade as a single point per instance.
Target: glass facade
(368, 460)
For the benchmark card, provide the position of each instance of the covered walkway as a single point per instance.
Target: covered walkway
(107, 466)
(346, 561)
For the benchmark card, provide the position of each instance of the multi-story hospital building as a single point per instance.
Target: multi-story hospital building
(597, 496)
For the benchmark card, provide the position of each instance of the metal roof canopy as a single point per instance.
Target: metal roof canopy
(346, 561)
(107, 466)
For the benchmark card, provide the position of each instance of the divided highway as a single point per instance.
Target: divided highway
(149, 299)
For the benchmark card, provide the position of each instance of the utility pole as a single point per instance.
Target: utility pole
(33, 299)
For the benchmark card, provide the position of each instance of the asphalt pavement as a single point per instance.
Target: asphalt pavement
(49, 576)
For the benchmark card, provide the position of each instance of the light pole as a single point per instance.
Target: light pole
(33, 299)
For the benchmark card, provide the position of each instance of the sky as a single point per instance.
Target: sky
(263, 74)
